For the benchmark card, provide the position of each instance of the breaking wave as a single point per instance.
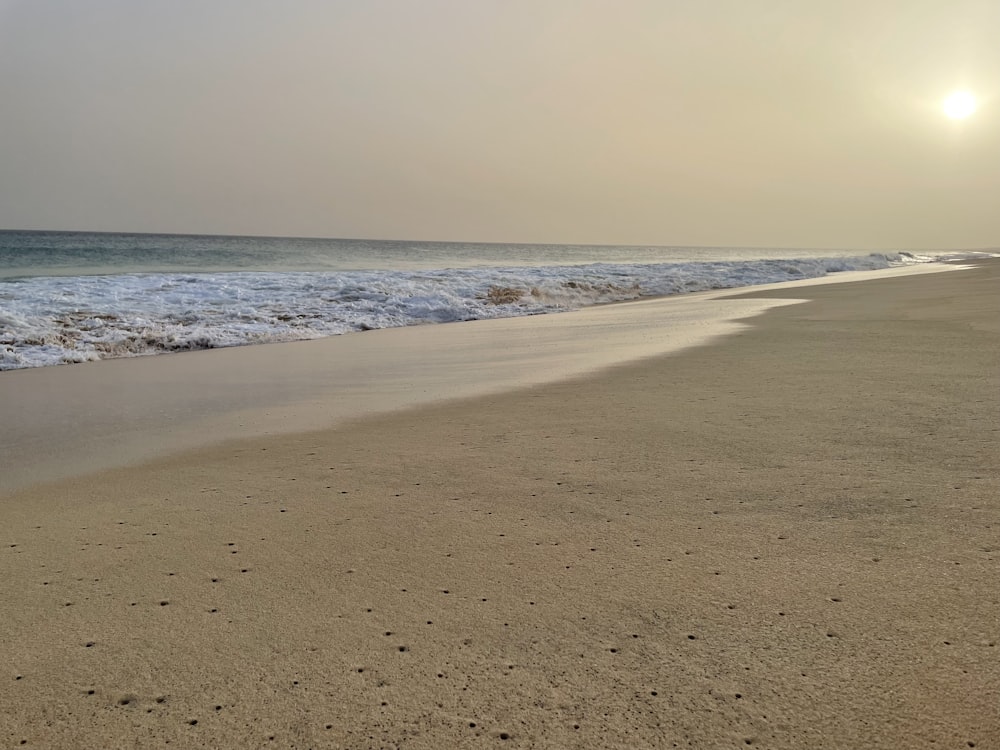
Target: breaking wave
(62, 319)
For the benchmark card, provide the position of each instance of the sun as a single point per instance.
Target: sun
(959, 104)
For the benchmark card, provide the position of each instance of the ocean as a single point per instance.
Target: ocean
(69, 297)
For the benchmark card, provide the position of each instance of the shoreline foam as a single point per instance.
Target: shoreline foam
(48, 321)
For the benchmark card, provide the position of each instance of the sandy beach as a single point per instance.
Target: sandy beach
(786, 538)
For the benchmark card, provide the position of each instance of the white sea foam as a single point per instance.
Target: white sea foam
(54, 320)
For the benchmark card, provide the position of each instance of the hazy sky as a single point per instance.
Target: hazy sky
(669, 122)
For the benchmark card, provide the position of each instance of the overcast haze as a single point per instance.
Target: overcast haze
(753, 122)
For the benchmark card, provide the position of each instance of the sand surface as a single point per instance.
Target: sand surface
(789, 538)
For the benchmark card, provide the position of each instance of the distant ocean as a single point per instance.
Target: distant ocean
(74, 297)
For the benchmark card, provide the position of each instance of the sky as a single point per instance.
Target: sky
(774, 123)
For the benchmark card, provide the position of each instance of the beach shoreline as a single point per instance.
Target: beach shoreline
(73, 420)
(785, 538)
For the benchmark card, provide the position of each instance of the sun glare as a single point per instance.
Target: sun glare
(959, 104)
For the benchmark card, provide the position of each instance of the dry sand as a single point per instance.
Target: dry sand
(786, 539)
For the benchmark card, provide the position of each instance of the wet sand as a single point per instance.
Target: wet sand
(787, 538)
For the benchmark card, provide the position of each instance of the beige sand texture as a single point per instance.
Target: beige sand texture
(786, 539)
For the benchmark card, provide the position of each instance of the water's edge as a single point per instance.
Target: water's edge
(66, 421)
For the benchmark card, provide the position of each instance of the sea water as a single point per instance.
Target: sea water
(73, 297)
